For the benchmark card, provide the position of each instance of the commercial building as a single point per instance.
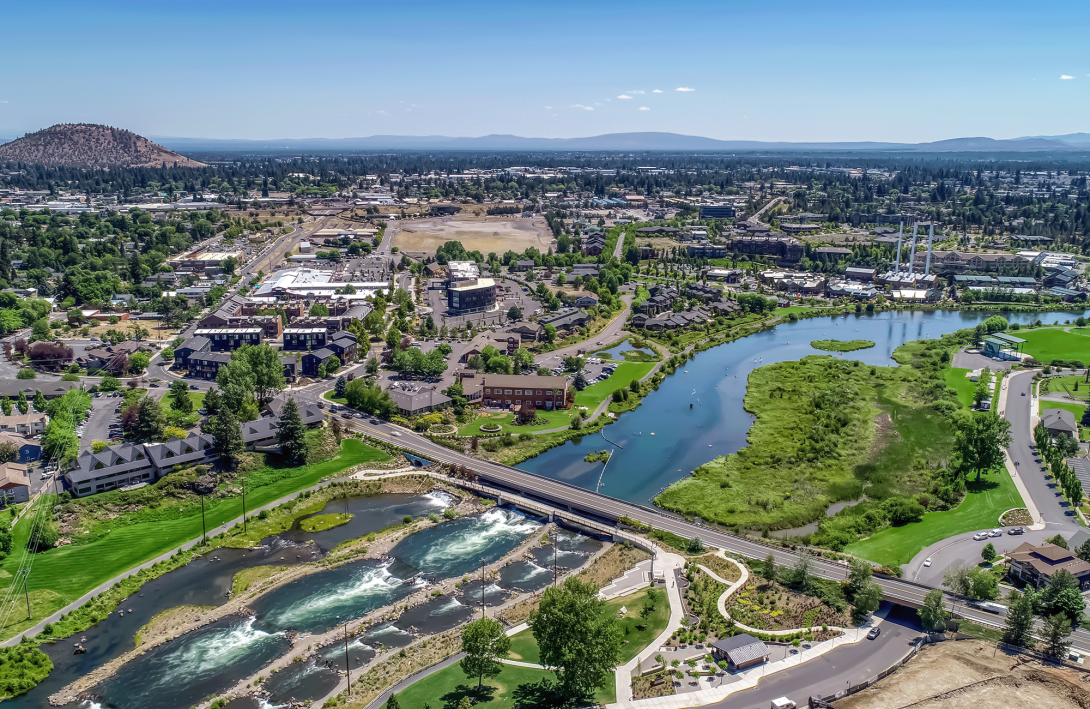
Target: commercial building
(786, 248)
(507, 390)
(127, 464)
(565, 319)
(413, 401)
(202, 261)
(956, 261)
(716, 211)
(471, 295)
(1035, 565)
(741, 651)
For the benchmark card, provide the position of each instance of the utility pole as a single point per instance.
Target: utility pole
(347, 667)
(482, 589)
(554, 556)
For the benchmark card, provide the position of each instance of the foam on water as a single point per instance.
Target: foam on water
(209, 654)
(367, 583)
(439, 499)
(487, 528)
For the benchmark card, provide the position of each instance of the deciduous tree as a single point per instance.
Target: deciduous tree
(484, 643)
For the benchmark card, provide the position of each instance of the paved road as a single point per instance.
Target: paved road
(836, 670)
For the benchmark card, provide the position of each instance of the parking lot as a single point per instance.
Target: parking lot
(103, 421)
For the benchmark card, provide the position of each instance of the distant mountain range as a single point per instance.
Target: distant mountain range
(99, 146)
(620, 141)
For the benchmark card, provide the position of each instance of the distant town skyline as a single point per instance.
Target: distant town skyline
(773, 71)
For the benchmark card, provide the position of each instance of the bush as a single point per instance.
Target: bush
(26, 373)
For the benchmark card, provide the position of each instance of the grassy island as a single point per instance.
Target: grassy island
(841, 345)
(320, 523)
(830, 430)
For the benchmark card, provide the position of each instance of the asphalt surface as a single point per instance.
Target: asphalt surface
(836, 670)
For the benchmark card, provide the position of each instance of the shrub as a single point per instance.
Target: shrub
(26, 373)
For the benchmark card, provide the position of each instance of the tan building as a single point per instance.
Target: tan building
(28, 424)
(14, 483)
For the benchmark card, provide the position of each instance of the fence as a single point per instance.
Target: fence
(827, 701)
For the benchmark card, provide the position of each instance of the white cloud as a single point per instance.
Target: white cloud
(548, 108)
(644, 108)
(625, 95)
(657, 91)
(3, 101)
(382, 112)
(637, 92)
(585, 108)
(1066, 76)
(684, 88)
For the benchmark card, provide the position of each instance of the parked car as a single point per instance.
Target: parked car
(980, 535)
(997, 533)
(1016, 530)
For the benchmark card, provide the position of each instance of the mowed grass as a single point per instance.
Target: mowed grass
(981, 508)
(513, 687)
(1047, 344)
(524, 647)
(197, 397)
(66, 573)
(958, 380)
(593, 395)
(553, 419)
(1066, 386)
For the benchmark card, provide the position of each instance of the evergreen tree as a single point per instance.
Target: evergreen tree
(213, 402)
(1055, 634)
(179, 397)
(150, 422)
(23, 404)
(228, 435)
(1019, 625)
(39, 401)
(6, 405)
(338, 388)
(291, 434)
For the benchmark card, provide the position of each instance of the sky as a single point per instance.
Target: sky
(771, 70)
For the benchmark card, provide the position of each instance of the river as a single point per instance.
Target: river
(697, 415)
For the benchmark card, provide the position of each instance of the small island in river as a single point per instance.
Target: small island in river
(841, 345)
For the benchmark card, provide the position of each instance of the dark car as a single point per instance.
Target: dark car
(1016, 530)
(193, 386)
(374, 422)
(874, 632)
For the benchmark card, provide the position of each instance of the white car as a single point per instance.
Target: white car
(927, 561)
(980, 535)
(996, 533)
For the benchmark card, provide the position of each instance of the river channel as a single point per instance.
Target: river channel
(697, 415)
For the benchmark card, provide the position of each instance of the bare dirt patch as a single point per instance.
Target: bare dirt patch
(484, 234)
(953, 675)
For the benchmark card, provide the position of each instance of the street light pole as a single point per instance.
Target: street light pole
(347, 667)
(26, 577)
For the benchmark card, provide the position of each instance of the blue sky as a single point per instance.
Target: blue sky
(757, 70)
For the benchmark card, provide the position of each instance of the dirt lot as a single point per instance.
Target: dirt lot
(941, 675)
(485, 234)
(157, 329)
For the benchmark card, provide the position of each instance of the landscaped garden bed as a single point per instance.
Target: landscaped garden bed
(656, 684)
(1017, 517)
(770, 605)
(442, 429)
(491, 428)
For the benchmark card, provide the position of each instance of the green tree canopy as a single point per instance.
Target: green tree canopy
(484, 643)
(291, 434)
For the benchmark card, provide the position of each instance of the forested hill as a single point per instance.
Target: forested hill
(90, 145)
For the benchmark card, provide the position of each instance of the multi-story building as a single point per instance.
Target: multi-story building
(305, 338)
(507, 390)
(786, 248)
(229, 339)
(28, 424)
(716, 211)
(194, 345)
(472, 295)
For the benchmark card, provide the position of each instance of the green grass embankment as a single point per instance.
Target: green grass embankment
(841, 345)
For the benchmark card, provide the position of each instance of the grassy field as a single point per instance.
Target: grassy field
(524, 647)
(514, 687)
(197, 397)
(63, 574)
(1066, 386)
(593, 395)
(1047, 344)
(957, 380)
(841, 345)
(985, 501)
(553, 419)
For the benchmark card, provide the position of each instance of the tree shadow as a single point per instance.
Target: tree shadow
(544, 694)
(450, 699)
(982, 485)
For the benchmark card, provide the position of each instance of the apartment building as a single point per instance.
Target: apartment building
(507, 390)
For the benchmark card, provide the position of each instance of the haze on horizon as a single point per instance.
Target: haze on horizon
(771, 71)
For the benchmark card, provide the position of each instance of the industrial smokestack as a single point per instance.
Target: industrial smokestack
(912, 253)
(897, 262)
(930, 237)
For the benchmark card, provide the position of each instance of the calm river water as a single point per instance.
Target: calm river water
(697, 414)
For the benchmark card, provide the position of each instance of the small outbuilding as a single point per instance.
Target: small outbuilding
(741, 651)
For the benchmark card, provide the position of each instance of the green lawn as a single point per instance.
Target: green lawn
(985, 501)
(524, 647)
(553, 419)
(445, 688)
(957, 380)
(197, 397)
(593, 395)
(1077, 409)
(63, 574)
(1047, 344)
(1066, 385)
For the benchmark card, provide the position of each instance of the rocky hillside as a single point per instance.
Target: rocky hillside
(90, 145)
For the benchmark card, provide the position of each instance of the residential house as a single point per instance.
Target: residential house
(14, 483)
(50, 390)
(528, 332)
(508, 390)
(194, 448)
(28, 424)
(586, 301)
(115, 466)
(344, 345)
(305, 338)
(206, 365)
(1057, 421)
(309, 412)
(315, 359)
(29, 450)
